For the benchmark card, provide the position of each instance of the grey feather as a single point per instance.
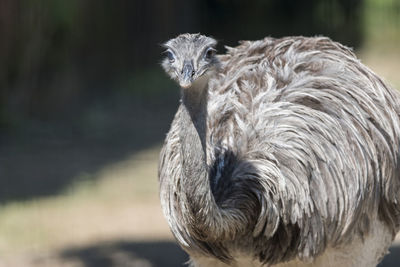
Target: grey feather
(285, 147)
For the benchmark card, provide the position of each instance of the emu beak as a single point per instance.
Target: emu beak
(187, 74)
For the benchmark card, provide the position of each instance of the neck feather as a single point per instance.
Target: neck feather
(203, 218)
(193, 134)
(195, 178)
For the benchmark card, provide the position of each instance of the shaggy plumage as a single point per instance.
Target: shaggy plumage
(286, 152)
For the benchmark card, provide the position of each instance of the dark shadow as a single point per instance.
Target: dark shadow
(155, 254)
(124, 254)
(393, 258)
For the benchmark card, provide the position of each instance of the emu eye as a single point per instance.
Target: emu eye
(170, 56)
(209, 53)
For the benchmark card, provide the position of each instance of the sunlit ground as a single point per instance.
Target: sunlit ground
(112, 217)
(120, 203)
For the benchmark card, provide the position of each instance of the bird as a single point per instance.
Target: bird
(283, 152)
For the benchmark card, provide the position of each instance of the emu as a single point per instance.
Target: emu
(283, 152)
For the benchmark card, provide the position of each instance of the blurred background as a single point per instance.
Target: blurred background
(85, 106)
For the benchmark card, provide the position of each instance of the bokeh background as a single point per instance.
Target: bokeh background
(85, 106)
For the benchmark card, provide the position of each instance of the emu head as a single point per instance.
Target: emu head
(190, 59)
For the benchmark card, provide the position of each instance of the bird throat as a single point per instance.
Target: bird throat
(193, 127)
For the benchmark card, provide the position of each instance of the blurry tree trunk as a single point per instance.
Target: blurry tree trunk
(22, 48)
(7, 38)
(33, 46)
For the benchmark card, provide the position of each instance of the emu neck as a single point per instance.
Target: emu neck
(193, 130)
(193, 143)
(195, 181)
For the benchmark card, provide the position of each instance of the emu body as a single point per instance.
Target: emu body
(283, 152)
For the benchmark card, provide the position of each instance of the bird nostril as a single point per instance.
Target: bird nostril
(188, 70)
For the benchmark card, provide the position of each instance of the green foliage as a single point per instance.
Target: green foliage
(382, 25)
(64, 12)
